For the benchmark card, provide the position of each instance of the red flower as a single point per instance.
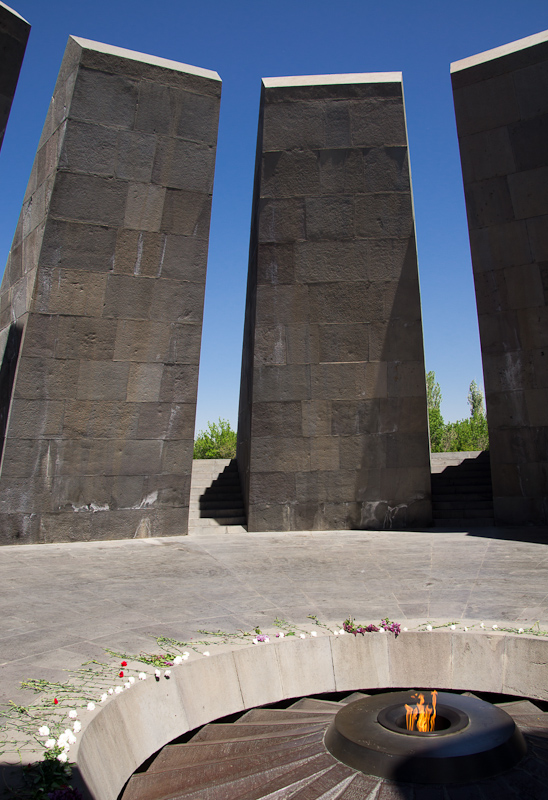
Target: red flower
(56, 701)
(124, 663)
(121, 673)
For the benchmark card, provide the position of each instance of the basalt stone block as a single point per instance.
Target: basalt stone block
(502, 123)
(102, 300)
(332, 405)
(14, 33)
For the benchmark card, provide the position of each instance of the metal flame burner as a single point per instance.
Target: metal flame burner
(472, 740)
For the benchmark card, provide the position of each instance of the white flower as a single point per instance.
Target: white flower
(167, 673)
(453, 627)
(428, 627)
(206, 653)
(104, 697)
(520, 630)
(178, 660)
(131, 680)
(342, 632)
(73, 713)
(142, 676)
(255, 641)
(381, 630)
(62, 740)
(77, 727)
(267, 639)
(406, 629)
(119, 690)
(302, 635)
(127, 685)
(62, 757)
(313, 633)
(185, 655)
(50, 743)
(71, 738)
(66, 747)
(91, 706)
(466, 627)
(157, 673)
(111, 690)
(281, 634)
(482, 625)
(43, 731)
(335, 633)
(495, 627)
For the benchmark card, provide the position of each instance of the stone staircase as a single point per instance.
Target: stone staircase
(279, 754)
(462, 495)
(216, 500)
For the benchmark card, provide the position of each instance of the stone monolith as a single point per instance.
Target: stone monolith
(102, 299)
(333, 430)
(14, 34)
(501, 104)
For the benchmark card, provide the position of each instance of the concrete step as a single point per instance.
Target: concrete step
(205, 530)
(282, 716)
(221, 731)
(462, 503)
(463, 524)
(215, 522)
(311, 704)
(222, 513)
(463, 513)
(211, 505)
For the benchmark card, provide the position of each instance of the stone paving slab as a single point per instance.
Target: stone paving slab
(63, 603)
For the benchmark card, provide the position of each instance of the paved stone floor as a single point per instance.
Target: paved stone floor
(63, 603)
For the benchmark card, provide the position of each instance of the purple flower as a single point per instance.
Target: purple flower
(371, 629)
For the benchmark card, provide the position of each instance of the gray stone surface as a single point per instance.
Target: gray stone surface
(14, 33)
(100, 343)
(65, 602)
(332, 430)
(502, 120)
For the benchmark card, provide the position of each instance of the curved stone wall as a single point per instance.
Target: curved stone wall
(137, 723)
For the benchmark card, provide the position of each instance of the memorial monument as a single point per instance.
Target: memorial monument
(501, 105)
(102, 299)
(333, 430)
(14, 34)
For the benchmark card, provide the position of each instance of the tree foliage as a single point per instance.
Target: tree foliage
(218, 441)
(465, 434)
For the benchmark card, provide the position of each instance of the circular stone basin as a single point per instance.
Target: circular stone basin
(473, 739)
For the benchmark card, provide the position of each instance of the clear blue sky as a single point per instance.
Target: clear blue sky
(244, 41)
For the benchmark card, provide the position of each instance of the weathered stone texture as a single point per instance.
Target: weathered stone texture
(333, 430)
(501, 104)
(101, 302)
(14, 34)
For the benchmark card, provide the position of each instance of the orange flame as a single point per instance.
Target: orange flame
(421, 717)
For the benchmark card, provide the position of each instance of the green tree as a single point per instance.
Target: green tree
(435, 420)
(465, 434)
(475, 400)
(218, 441)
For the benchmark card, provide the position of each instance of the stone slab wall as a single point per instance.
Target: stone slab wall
(501, 104)
(102, 299)
(333, 430)
(14, 34)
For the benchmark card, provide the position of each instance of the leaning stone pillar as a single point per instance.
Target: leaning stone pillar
(501, 104)
(14, 34)
(101, 302)
(333, 430)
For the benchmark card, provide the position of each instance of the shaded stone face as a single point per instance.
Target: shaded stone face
(14, 34)
(333, 423)
(105, 282)
(501, 105)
